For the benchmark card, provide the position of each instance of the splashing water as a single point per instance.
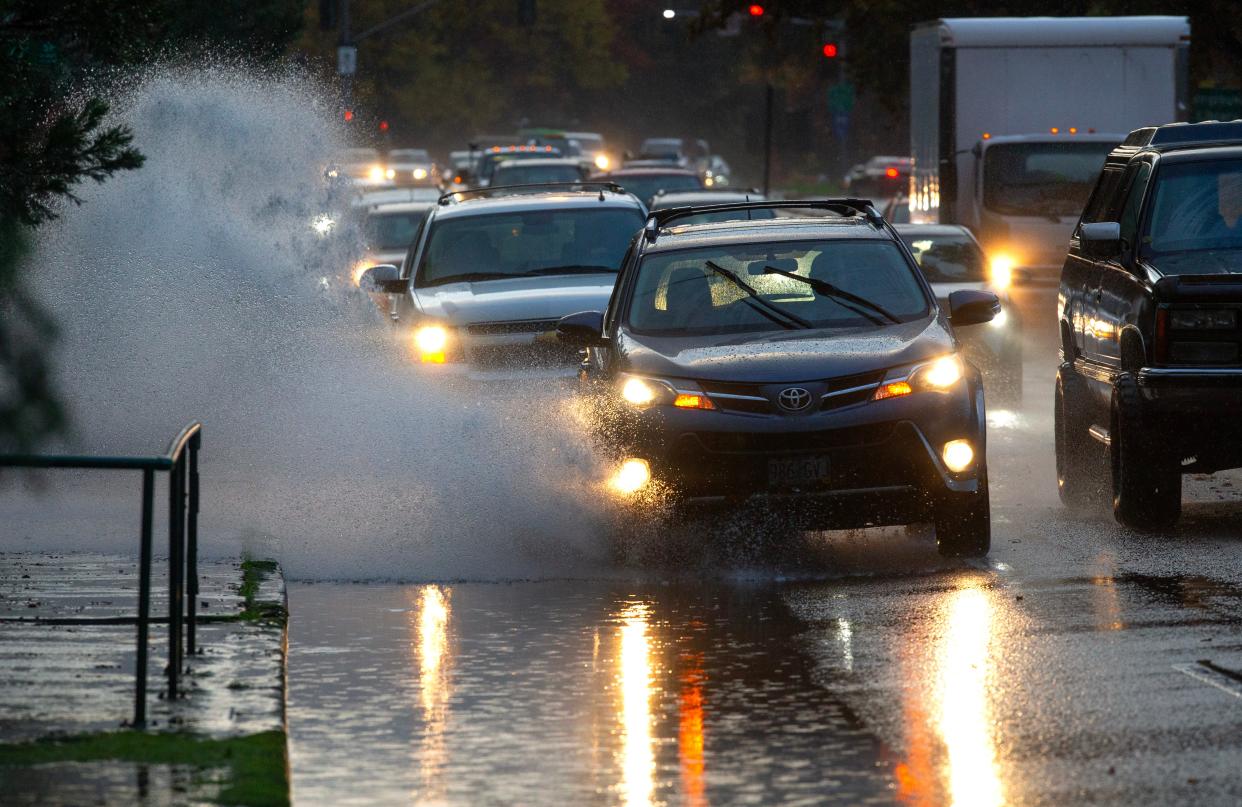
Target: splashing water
(195, 288)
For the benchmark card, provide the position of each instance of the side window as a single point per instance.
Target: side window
(1102, 206)
(614, 309)
(1134, 203)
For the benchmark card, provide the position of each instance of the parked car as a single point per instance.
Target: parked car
(646, 182)
(1150, 315)
(803, 362)
(951, 259)
(493, 270)
(550, 169)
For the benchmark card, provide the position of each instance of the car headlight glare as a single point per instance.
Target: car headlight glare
(958, 455)
(420, 173)
(1000, 320)
(1002, 271)
(943, 373)
(376, 173)
(389, 173)
(431, 340)
(631, 477)
(602, 162)
(937, 375)
(638, 392)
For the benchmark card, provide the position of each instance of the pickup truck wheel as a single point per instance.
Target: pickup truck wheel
(1079, 464)
(1147, 482)
(964, 522)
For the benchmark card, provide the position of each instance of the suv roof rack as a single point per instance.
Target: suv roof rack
(533, 187)
(851, 206)
(1185, 134)
(710, 190)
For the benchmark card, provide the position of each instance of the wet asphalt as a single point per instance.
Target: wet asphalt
(1081, 663)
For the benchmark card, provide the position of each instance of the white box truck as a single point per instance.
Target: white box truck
(1011, 118)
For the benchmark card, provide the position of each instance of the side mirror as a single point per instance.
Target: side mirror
(969, 307)
(584, 329)
(1100, 239)
(382, 279)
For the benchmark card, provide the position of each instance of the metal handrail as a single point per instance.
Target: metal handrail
(181, 463)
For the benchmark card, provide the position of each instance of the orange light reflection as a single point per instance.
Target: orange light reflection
(638, 765)
(690, 731)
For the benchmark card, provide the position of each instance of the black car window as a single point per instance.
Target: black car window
(1196, 213)
(677, 293)
(947, 257)
(1133, 206)
(527, 243)
(1103, 204)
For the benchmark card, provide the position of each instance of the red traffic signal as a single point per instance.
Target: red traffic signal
(755, 10)
(830, 50)
(383, 126)
(349, 115)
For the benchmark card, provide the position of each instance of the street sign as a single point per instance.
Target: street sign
(841, 98)
(346, 60)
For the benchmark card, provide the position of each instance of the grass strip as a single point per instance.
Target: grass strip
(254, 572)
(256, 762)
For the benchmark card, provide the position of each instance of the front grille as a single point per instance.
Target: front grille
(783, 442)
(721, 392)
(528, 326)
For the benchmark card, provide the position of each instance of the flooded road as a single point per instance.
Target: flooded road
(1082, 663)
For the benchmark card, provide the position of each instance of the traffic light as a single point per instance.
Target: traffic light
(527, 12)
(383, 126)
(349, 115)
(830, 50)
(755, 10)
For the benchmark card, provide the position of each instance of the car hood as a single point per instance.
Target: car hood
(521, 298)
(791, 356)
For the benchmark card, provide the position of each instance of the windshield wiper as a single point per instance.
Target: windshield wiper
(573, 269)
(767, 309)
(840, 295)
(468, 277)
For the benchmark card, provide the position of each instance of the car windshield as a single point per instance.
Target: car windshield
(678, 293)
(1041, 179)
(409, 156)
(1195, 226)
(947, 257)
(645, 186)
(392, 231)
(518, 174)
(535, 242)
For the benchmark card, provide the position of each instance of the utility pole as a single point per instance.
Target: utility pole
(346, 57)
(769, 101)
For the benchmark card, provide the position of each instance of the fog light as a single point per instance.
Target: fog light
(431, 340)
(958, 455)
(631, 477)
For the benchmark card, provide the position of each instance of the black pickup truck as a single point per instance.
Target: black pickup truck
(1150, 309)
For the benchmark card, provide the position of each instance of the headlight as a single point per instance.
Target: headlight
(420, 173)
(1002, 271)
(708, 181)
(323, 224)
(958, 455)
(431, 340)
(638, 392)
(631, 477)
(1203, 320)
(602, 162)
(376, 173)
(937, 375)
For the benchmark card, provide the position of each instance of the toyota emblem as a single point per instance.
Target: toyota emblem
(794, 399)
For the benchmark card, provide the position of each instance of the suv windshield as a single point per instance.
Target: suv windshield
(1197, 208)
(534, 242)
(1041, 179)
(678, 292)
(947, 257)
(392, 231)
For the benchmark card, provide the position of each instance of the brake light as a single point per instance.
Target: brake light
(891, 173)
(1160, 351)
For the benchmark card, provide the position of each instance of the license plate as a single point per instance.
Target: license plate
(797, 471)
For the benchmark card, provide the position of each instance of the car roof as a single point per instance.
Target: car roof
(400, 207)
(523, 202)
(646, 170)
(707, 196)
(690, 236)
(931, 229)
(535, 162)
(1191, 153)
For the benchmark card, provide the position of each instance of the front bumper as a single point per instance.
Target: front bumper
(883, 458)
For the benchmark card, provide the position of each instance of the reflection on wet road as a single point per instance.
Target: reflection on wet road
(1081, 664)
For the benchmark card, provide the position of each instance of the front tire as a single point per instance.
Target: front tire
(1147, 482)
(964, 522)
